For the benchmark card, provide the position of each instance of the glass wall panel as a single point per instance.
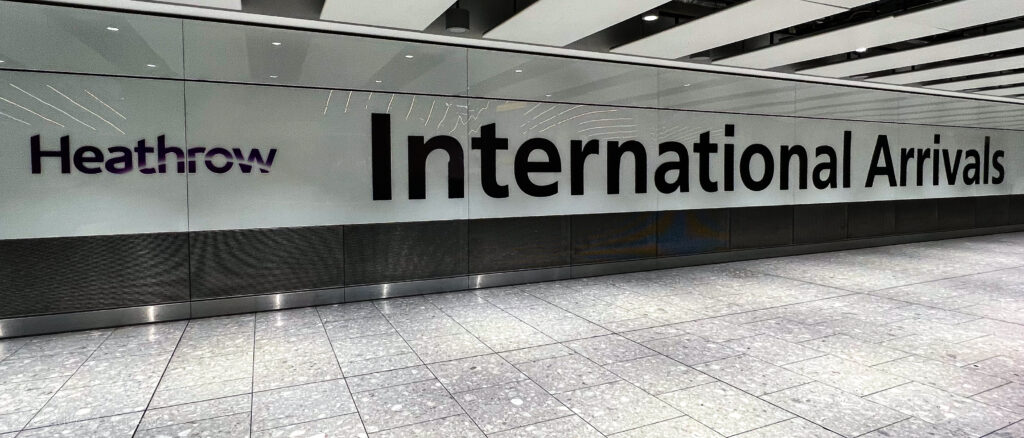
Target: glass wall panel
(703, 91)
(238, 53)
(54, 38)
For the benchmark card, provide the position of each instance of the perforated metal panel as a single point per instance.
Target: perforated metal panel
(378, 253)
(249, 262)
(692, 232)
(816, 223)
(758, 227)
(616, 236)
(73, 274)
(518, 243)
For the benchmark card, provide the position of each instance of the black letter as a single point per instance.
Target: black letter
(162, 152)
(615, 151)
(972, 174)
(951, 171)
(418, 152)
(788, 152)
(769, 167)
(489, 145)
(682, 182)
(95, 156)
(881, 151)
(998, 167)
(703, 149)
(141, 149)
(213, 167)
(125, 160)
(524, 166)
(830, 165)
(64, 154)
(380, 156)
(578, 153)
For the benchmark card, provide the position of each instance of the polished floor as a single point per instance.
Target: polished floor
(919, 340)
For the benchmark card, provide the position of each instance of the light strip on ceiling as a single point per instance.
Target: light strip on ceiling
(937, 52)
(758, 17)
(560, 22)
(377, 32)
(994, 81)
(402, 14)
(931, 21)
(955, 71)
(1012, 91)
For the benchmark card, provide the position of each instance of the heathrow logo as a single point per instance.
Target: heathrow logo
(149, 160)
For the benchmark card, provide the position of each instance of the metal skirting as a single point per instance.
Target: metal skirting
(34, 325)
(63, 322)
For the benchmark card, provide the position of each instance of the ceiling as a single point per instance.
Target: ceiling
(972, 46)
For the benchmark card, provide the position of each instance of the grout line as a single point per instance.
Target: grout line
(351, 395)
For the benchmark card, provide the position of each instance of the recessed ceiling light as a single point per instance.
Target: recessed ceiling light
(378, 81)
(862, 49)
(547, 95)
(686, 85)
(1, 61)
(276, 43)
(112, 29)
(151, 65)
(273, 76)
(409, 56)
(650, 17)
(519, 70)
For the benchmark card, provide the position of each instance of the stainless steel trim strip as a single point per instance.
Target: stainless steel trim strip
(65, 322)
(405, 288)
(480, 281)
(261, 303)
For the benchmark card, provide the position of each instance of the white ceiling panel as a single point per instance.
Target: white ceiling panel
(954, 71)
(402, 14)
(758, 17)
(954, 49)
(235, 5)
(932, 21)
(1012, 91)
(993, 81)
(560, 22)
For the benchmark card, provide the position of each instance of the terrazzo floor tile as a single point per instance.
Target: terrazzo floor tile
(230, 425)
(1009, 396)
(107, 427)
(566, 373)
(846, 375)
(676, 427)
(475, 373)
(445, 348)
(571, 426)
(658, 374)
(944, 409)
(604, 350)
(398, 406)
(725, 409)
(716, 330)
(357, 328)
(166, 396)
(343, 426)
(531, 354)
(947, 377)
(14, 369)
(459, 426)
(1001, 366)
(384, 379)
(617, 406)
(752, 375)
(915, 428)
(690, 349)
(195, 412)
(1012, 431)
(838, 411)
(380, 364)
(791, 331)
(773, 350)
(792, 428)
(76, 404)
(510, 405)
(850, 348)
(299, 404)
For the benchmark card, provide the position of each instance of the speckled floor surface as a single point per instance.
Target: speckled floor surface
(921, 340)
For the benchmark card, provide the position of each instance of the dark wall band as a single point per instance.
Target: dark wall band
(80, 274)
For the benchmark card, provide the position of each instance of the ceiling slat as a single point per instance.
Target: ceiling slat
(923, 55)
(954, 71)
(758, 17)
(560, 22)
(401, 14)
(932, 21)
(994, 81)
